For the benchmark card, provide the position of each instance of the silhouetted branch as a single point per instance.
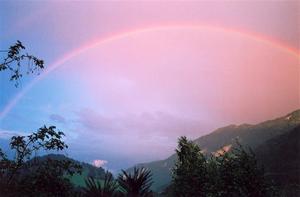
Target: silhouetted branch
(14, 60)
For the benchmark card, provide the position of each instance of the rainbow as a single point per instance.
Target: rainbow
(123, 34)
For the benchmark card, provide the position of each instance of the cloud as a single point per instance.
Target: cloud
(154, 133)
(116, 136)
(57, 118)
(223, 150)
(99, 163)
(7, 134)
(147, 124)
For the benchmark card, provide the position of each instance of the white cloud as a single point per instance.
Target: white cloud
(99, 163)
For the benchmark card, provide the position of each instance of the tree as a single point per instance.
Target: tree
(27, 175)
(189, 173)
(230, 173)
(95, 189)
(16, 56)
(136, 184)
(239, 174)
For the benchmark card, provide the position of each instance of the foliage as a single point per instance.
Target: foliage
(26, 175)
(95, 189)
(189, 172)
(14, 60)
(137, 183)
(237, 173)
(233, 173)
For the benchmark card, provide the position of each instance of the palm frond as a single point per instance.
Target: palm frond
(95, 188)
(136, 184)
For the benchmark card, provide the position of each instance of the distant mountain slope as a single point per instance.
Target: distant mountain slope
(88, 170)
(250, 135)
(281, 157)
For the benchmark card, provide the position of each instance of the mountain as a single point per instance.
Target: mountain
(281, 159)
(254, 136)
(88, 170)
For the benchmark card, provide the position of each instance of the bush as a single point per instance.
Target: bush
(228, 173)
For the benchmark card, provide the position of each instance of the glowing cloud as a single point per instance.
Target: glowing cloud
(99, 163)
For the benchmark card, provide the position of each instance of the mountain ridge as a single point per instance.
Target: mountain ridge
(88, 170)
(252, 135)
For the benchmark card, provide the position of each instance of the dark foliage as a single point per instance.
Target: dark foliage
(189, 172)
(95, 189)
(26, 175)
(15, 59)
(237, 173)
(234, 173)
(137, 183)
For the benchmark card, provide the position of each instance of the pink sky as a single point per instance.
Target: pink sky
(189, 67)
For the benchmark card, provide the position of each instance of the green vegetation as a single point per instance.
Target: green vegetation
(136, 184)
(227, 173)
(79, 179)
(189, 173)
(95, 188)
(26, 175)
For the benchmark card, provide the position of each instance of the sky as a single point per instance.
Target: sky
(125, 79)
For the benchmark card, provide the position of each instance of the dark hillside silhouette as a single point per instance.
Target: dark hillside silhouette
(248, 135)
(281, 158)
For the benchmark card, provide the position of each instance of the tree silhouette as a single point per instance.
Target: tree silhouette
(189, 173)
(229, 173)
(15, 58)
(27, 175)
(238, 174)
(95, 189)
(137, 183)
